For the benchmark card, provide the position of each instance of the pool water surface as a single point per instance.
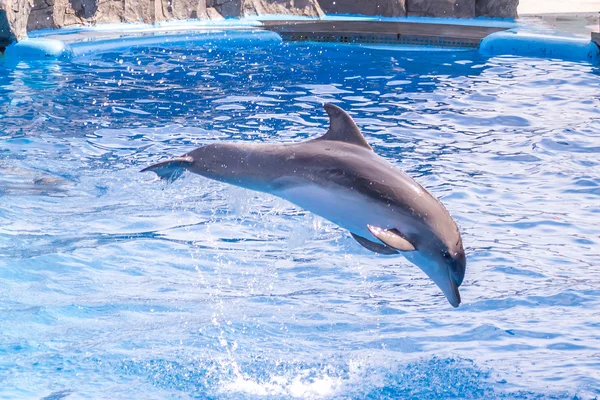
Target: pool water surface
(116, 285)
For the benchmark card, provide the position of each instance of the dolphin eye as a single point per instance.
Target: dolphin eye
(447, 255)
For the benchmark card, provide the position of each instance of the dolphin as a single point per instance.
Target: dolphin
(339, 177)
(19, 181)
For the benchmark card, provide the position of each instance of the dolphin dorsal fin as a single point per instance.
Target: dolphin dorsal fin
(342, 127)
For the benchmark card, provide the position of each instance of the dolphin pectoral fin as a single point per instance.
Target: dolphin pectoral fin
(170, 170)
(374, 247)
(391, 238)
(342, 127)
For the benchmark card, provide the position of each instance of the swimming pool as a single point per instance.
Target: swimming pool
(113, 285)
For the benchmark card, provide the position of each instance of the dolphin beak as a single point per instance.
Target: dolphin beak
(450, 289)
(440, 273)
(445, 281)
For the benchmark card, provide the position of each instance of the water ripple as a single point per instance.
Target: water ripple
(197, 289)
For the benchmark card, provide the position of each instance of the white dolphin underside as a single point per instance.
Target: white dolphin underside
(348, 209)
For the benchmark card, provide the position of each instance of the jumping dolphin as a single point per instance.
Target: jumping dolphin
(339, 177)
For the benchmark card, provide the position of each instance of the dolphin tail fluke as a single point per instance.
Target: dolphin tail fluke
(170, 170)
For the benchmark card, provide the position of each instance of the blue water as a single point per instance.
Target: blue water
(115, 285)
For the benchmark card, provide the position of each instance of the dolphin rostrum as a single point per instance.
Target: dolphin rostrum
(339, 177)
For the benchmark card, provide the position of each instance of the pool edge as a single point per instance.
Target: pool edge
(490, 37)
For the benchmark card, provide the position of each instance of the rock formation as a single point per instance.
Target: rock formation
(19, 16)
(59, 13)
(13, 19)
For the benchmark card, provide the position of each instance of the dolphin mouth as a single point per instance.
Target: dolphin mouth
(452, 294)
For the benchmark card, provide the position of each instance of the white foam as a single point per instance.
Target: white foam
(306, 384)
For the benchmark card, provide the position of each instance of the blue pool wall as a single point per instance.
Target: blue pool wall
(519, 39)
(41, 47)
(532, 44)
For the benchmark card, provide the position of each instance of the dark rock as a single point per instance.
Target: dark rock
(496, 8)
(441, 8)
(84, 8)
(387, 8)
(40, 16)
(231, 8)
(5, 34)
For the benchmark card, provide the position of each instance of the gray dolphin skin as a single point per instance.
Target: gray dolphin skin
(340, 178)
